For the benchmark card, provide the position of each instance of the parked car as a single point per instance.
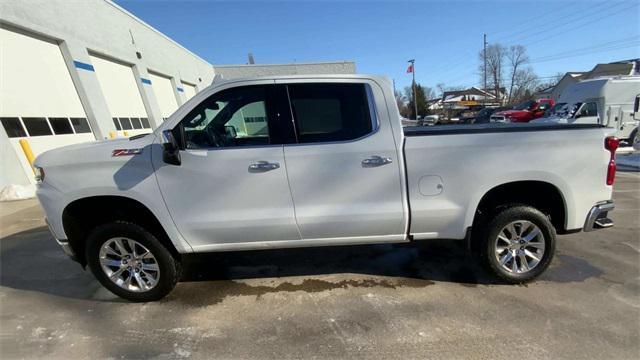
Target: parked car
(296, 162)
(607, 101)
(430, 120)
(483, 115)
(523, 112)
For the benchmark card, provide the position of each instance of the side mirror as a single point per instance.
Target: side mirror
(170, 149)
(636, 108)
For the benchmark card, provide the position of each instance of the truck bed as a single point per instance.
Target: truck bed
(448, 175)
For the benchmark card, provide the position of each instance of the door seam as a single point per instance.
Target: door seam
(286, 172)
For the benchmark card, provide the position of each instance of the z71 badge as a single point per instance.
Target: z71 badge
(126, 152)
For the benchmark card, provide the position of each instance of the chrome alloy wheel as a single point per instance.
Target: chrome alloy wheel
(129, 264)
(519, 247)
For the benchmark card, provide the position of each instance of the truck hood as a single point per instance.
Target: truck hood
(512, 113)
(90, 152)
(551, 120)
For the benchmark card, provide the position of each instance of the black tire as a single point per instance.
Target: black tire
(495, 226)
(169, 273)
(632, 137)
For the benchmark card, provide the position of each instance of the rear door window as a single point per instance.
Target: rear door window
(330, 112)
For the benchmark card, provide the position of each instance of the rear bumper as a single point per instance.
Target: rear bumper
(597, 218)
(63, 243)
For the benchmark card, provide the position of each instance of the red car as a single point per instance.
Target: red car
(524, 112)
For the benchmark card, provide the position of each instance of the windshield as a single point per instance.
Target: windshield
(525, 105)
(558, 110)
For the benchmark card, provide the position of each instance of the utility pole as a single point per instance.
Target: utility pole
(415, 97)
(484, 56)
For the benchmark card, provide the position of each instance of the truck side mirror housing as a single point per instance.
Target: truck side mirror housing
(170, 148)
(636, 108)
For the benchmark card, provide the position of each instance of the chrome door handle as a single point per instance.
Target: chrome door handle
(263, 166)
(375, 161)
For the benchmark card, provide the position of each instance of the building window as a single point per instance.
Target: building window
(61, 126)
(13, 127)
(136, 123)
(81, 125)
(145, 123)
(117, 124)
(126, 123)
(37, 126)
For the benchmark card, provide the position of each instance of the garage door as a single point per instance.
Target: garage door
(39, 101)
(122, 95)
(189, 90)
(165, 95)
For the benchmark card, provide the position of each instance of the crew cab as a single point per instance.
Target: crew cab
(524, 112)
(301, 161)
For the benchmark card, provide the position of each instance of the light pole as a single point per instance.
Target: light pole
(484, 55)
(415, 98)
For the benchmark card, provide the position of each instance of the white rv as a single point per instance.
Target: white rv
(608, 101)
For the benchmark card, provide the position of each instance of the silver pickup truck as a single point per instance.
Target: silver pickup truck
(314, 161)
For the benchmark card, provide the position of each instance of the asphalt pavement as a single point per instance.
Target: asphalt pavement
(422, 300)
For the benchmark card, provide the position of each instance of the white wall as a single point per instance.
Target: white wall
(104, 27)
(35, 81)
(189, 90)
(50, 72)
(242, 71)
(119, 87)
(165, 94)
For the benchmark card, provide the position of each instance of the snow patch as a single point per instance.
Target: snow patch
(17, 192)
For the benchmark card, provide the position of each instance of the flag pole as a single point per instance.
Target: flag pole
(415, 98)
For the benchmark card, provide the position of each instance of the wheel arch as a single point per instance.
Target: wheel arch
(542, 195)
(82, 215)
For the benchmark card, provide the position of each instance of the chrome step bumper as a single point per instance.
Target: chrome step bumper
(597, 218)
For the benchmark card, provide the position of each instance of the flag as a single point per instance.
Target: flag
(410, 69)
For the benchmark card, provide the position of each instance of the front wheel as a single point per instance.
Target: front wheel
(130, 262)
(518, 244)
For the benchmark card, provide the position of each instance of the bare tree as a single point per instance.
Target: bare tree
(442, 88)
(524, 83)
(517, 57)
(495, 60)
(553, 81)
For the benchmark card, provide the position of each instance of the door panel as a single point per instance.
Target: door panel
(351, 187)
(231, 186)
(214, 198)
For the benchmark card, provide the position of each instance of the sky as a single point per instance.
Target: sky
(444, 37)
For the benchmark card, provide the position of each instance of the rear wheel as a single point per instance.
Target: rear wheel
(518, 244)
(130, 262)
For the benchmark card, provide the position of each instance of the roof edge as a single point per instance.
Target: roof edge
(286, 64)
(124, 11)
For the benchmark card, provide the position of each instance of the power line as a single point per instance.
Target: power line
(592, 11)
(620, 42)
(590, 22)
(612, 48)
(554, 20)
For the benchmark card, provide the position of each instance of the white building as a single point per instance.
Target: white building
(76, 71)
